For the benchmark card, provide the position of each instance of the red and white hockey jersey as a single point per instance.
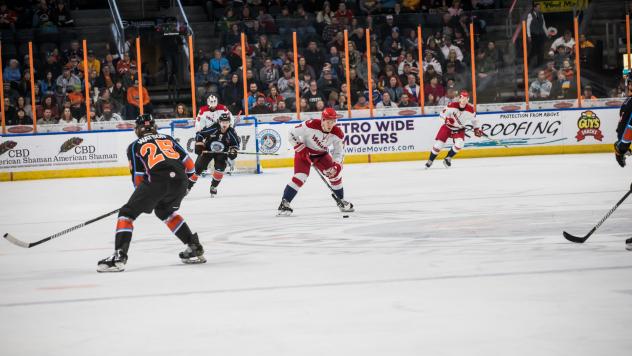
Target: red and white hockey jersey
(457, 118)
(207, 117)
(316, 140)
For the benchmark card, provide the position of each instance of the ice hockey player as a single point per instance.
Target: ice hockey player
(161, 170)
(209, 114)
(311, 140)
(457, 116)
(219, 143)
(624, 132)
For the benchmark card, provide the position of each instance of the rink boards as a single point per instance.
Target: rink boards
(389, 138)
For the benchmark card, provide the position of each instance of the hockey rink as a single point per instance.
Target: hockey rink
(462, 261)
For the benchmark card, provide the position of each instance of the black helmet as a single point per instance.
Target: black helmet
(145, 124)
(224, 117)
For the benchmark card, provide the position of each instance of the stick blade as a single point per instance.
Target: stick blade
(575, 239)
(15, 241)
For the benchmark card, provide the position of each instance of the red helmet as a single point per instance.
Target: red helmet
(329, 114)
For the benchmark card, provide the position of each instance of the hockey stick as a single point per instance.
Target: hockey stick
(494, 140)
(20, 243)
(245, 153)
(333, 193)
(581, 240)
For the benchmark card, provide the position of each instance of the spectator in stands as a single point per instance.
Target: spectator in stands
(67, 118)
(52, 64)
(486, 72)
(93, 62)
(313, 95)
(410, 60)
(8, 17)
(47, 118)
(357, 84)
(394, 88)
(343, 14)
(282, 108)
(218, 62)
(327, 83)
(303, 83)
(273, 99)
(382, 81)
(42, 16)
(563, 88)
(494, 54)
(566, 41)
(50, 104)
(358, 39)
(263, 49)
(105, 98)
(343, 103)
(405, 102)
(119, 93)
(73, 52)
(22, 104)
(108, 114)
(386, 102)
(434, 88)
(133, 101)
(361, 104)
(260, 106)
(286, 83)
(268, 74)
(12, 72)
(105, 78)
(48, 86)
(450, 94)
(320, 106)
(20, 118)
(410, 41)
(124, 65)
(203, 78)
(588, 94)
(448, 46)
(431, 61)
(314, 57)
(181, 111)
(109, 62)
(537, 33)
(253, 94)
(61, 17)
(67, 81)
(233, 94)
(24, 85)
(332, 100)
(334, 58)
(412, 89)
(303, 67)
(9, 110)
(306, 21)
(541, 87)
(377, 95)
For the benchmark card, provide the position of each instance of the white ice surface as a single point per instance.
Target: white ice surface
(466, 261)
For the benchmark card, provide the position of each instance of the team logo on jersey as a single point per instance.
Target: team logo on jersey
(217, 146)
(69, 144)
(269, 141)
(588, 125)
(7, 145)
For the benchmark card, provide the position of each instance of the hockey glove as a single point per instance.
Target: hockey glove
(478, 132)
(302, 152)
(199, 148)
(232, 152)
(333, 171)
(620, 149)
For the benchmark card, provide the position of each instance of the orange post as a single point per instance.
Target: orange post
(243, 71)
(627, 37)
(473, 64)
(140, 76)
(86, 73)
(297, 93)
(525, 63)
(32, 72)
(191, 65)
(422, 96)
(4, 123)
(368, 61)
(579, 84)
(347, 73)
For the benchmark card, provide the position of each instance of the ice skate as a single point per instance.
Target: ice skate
(194, 252)
(284, 208)
(345, 206)
(447, 162)
(213, 191)
(114, 263)
(429, 163)
(628, 244)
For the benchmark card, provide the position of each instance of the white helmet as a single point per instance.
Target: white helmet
(211, 101)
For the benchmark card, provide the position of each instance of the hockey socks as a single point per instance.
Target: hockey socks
(124, 229)
(176, 224)
(432, 156)
(340, 193)
(289, 193)
(452, 153)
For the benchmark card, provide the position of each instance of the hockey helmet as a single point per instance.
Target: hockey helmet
(211, 101)
(145, 124)
(224, 117)
(329, 114)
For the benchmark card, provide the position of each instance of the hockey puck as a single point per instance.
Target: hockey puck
(345, 216)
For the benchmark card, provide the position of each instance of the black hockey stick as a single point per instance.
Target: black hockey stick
(333, 193)
(20, 243)
(581, 240)
(245, 153)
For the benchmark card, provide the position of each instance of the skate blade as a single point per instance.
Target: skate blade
(628, 247)
(106, 269)
(194, 260)
(284, 213)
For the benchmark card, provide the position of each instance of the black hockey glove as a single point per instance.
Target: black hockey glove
(232, 152)
(620, 150)
(199, 148)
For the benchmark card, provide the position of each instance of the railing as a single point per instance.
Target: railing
(117, 27)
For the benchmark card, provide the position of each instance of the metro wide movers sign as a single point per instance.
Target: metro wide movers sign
(398, 138)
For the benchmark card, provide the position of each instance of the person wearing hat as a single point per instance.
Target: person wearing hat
(93, 62)
(456, 115)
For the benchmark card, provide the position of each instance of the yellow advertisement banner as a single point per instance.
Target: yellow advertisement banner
(562, 5)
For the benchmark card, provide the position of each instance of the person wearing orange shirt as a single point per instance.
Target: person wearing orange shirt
(133, 101)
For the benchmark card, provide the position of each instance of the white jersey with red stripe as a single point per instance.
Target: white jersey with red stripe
(311, 134)
(457, 118)
(206, 117)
